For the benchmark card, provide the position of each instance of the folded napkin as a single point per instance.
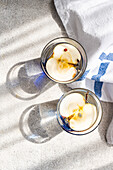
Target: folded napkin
(91, 24)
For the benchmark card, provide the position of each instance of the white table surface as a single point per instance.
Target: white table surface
(25, 28)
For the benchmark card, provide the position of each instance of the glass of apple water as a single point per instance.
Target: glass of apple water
(63, 60)
(79, 111)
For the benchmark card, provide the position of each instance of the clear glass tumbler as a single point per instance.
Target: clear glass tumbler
(48, 50)
(89, 97)
(28, 79)
(40, 123)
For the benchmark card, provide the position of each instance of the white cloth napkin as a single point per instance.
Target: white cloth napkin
(91, 23)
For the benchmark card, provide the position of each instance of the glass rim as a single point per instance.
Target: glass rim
(98, 117)
(81, 71)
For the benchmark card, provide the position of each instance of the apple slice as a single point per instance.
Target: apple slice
(71, 103)
(84, 118)
(60, 71)
(67, 49)
(90, 111)
(59, 64)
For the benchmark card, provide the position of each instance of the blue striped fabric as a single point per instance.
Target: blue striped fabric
(98, 88)
(102, 70)
(99, 78)
(98, 84)
(109, 57)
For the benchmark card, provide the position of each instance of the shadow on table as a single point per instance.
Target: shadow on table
(106, 119)
(56, 17)
(26, 80)
(38, 123)
(64, 88)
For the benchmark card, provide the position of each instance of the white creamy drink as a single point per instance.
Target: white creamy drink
(80, 115)
(60, 65)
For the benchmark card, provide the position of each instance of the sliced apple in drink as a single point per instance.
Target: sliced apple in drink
(58, 65)
(84, 118)
(67, 49)
(90, 111)
(71, 103)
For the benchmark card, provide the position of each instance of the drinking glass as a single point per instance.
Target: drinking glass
(28, 79)
(92, 99)
(48, 51)
(42, 122)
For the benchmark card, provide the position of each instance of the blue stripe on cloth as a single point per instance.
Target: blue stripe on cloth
(98, 88)
(98, 85)
(102, 70)
(109, 57)
(83, 76)
(102, 56)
